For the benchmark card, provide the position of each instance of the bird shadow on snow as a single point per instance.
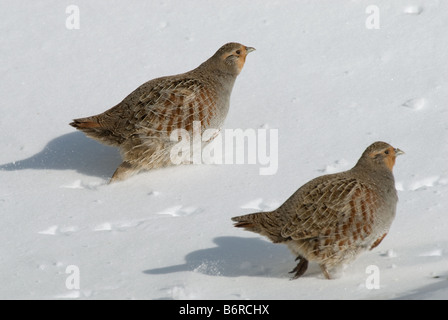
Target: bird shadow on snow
(72, 151)
(234, 257)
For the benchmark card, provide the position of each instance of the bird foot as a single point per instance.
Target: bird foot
(300, 269)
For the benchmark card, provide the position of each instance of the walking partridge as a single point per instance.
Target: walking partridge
(142, 123)
(333, 218)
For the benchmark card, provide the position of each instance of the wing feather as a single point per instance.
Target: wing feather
(330, 206)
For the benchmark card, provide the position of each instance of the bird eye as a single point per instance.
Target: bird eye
(238, 51)
(386, 152)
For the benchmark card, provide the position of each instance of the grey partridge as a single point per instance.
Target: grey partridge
(333, 218)
(142, 123)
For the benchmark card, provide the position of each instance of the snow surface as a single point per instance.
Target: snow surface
(329, 85)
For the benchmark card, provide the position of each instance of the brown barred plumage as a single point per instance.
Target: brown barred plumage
(141, 124)
(333, 218)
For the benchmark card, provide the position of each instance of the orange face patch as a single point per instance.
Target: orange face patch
(390, 158)
(240, 54)
(388, 155)
(242, 58)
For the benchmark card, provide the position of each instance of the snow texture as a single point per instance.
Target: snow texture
(327, 82)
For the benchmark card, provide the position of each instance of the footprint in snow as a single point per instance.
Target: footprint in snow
(415, 104)
(337, 166)
(78, 184)
(389, 254)
(118, 226)
(103, 227)
(180, 293)
(427, 182)
(437, 252)
(180, 211)
(413, 10)
(258, 204)
(56, 230)
(51, 231)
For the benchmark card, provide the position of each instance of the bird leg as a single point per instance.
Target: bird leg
(301, 267)
(124, 170)
(325, 272)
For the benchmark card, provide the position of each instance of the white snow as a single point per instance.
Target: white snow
(329, 85)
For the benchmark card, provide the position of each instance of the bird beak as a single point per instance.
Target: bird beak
(398, 152)
(249, 49)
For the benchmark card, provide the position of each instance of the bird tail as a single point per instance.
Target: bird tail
(249, 222)
(264, 223)
(85, 124)
(93, 129)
